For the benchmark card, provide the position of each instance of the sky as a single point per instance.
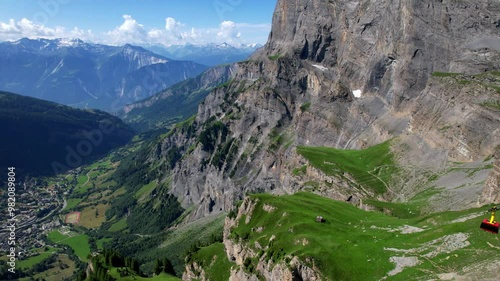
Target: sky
(117, 22)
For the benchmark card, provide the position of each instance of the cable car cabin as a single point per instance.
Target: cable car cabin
(491, 225)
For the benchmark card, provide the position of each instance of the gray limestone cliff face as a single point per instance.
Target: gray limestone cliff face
(491, 191)
(389, 48)
(453, 112)
(193, 272)
(345, 74)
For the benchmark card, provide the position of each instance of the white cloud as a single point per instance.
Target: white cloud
(9, 28)
(194, 36)
(174, 32)
(155, 33)
(171, 24)
(131, 31)
(130, 25)
(13, 30)
(76, 32)
(228, 32)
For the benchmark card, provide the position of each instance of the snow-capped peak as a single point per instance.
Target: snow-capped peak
(224, 45)
(254, 45)
(68, 42)
(49, 44)
(141, 58)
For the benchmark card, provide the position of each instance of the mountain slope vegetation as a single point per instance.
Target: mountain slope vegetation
(175, 103)
(329, 107)
(43, 138)
(358, 143)
(270, 232)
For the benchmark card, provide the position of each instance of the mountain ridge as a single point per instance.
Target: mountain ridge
(209, 54)
(42, 138)
(307, 87)
(87, 75)
(177, 102)
(362, 141)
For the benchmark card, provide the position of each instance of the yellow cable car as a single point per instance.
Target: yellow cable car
(491, 225)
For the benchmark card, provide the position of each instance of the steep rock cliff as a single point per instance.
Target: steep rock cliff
(389, 48)
(346, 74)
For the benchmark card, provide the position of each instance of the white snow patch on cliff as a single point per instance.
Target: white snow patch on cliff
(357, 93)
(320, 67)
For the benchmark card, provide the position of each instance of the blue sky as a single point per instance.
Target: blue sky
(116, 22)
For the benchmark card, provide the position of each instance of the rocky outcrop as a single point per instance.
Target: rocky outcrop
(453, 113)
(194, 271)
(235, 250)
(491, 191)
(345, 74)
(238, 251)
(240, 275)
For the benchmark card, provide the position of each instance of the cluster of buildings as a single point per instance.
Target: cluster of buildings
(35, 212)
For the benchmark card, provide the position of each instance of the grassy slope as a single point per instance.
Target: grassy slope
(41, 132)
(119, 225)
(143, 193)
(79, 243)
(352, 244)
(93, 216)
(72, 202)
(56, 236)
(373, 167)
(178, 241)
(175, 243)
(31, 261)
(214, 260)
(100, 243)
(162, 277)
(55, 272)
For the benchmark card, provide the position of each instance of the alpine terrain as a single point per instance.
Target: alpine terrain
(358, 76)
(361, 142)
(45, 138)
(210, 54)
(72, 72)
(177, 102)
(384, 104)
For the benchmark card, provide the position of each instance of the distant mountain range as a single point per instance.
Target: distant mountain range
(210, 54)
(177, 102)
(43, 138)
(86, 75)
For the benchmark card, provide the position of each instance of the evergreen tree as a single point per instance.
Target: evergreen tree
(158, 267)
(167, 267)
(81, 276)
(135, 266)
